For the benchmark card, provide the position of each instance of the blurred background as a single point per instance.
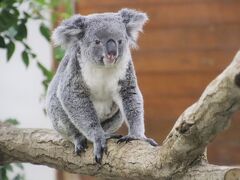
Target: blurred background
(185, 45)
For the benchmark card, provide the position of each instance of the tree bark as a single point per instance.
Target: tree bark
(180, 156)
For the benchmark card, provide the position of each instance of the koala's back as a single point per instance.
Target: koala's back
(52, 89)
(53, 86)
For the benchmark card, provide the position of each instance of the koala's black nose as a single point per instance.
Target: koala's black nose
(111, 48)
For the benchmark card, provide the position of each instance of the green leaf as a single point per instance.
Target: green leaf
(8, 18)
(10, 2)
(45, 31)
(25, 58)
(3, 173)
(12, 121)
(10, 50)
(47, 73)
(58, 53)
(9, 167)
(21, 32)
(2, 42)
(42, 2)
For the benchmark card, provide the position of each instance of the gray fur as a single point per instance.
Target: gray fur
(94, 90)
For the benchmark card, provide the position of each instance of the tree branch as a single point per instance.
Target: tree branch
(212, 172)
(180, 155)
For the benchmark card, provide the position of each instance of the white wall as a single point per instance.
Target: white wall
(20, 90)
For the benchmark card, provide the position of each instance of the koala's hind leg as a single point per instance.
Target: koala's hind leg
(80, 143)
(111, 125)
(63, 125)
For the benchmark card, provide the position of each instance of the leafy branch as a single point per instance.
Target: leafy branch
(14, 15)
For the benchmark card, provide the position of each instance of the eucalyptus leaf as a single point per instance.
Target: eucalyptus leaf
(9, 167)
(12, 121)
(10, 50)
(2, 42)
(25, 58)
(9, 17)
(3, 173)
(42, 2)
(10, 2)
(58, 53)
(45, 31)
(21, 32)
(47, 73)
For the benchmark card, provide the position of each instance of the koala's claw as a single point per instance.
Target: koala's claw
(80, 145)
(129, 138)
(99, 155)
(125, 139)
(100, 147)
(151, 141)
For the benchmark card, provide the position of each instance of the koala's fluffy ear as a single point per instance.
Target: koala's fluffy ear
(69, 31)
(134, 21)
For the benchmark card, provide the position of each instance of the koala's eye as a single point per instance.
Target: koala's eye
(119, 41)
(97, 41)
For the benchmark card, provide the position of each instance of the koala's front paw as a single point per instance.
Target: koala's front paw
(129, 138)
(100, 146)
(80, 145)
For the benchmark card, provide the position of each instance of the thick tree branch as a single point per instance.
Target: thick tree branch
(179, 156)
(202, 121)
(210, 172)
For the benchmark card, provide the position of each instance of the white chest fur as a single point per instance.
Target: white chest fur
(103, 85)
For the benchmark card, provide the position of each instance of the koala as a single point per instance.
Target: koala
(95, 87)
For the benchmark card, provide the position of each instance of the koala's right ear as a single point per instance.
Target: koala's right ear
(69, 31)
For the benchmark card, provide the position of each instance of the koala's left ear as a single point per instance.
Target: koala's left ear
(134, 21)
(69, 31)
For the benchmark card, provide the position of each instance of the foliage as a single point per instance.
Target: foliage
(12, 121)
(14, 15)
(6, 169)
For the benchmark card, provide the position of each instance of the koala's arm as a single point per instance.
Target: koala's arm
(132, 103)
(75, 100)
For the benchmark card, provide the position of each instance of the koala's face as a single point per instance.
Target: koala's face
(105, 41)
(103, 38)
